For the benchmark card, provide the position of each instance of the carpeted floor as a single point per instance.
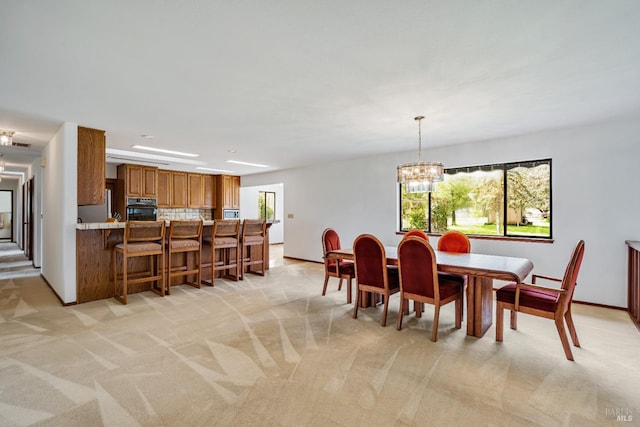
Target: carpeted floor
(271, 351)
(13, 262)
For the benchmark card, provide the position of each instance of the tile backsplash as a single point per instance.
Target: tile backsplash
(184, 213)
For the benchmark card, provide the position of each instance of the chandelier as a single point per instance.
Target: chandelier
(419, 177)
(6, 137)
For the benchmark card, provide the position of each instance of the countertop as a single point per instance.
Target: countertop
(116, 225)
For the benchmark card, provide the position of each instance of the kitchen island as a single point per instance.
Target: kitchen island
(94, 249)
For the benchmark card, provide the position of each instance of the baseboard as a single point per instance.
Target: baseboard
(64, 304)
(612, 307)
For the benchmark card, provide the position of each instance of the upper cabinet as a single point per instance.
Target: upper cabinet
(227, 193)
(196, 190)
(178, 189)
(186, 190)
(139, 181)
(91, 166)
(164, 188)
(209, 192)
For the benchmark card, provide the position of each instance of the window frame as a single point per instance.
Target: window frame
(504, 168)
(263, 195)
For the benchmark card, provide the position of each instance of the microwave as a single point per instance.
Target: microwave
(231, 214)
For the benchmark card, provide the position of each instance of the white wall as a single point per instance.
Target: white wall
(249, 205)
(593, 196)
(59, 209)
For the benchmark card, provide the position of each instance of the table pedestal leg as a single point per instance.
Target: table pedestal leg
(479, 305)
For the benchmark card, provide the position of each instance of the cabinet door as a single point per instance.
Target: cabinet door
(91, 166)
(134, 181)
(209, 191)
(179, 189)
(226, 196)
(235, 192)
(164, 189)
(149, 182)
(196, 190)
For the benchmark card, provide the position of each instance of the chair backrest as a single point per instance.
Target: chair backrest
(370, 261)
(226, 228)
(330, 242)
(144, 231)
(185, 229)
(253, 228)
(454, 241)
(417, 233)
(417, 267)
(571, 273)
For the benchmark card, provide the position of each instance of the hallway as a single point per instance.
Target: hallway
(13, 262)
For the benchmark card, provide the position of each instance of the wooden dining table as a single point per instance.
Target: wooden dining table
(480, 270)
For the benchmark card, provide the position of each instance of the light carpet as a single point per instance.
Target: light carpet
(271, 351)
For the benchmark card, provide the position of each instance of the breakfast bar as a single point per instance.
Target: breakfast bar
(94, 247)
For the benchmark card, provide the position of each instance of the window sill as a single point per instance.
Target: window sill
(501, 238)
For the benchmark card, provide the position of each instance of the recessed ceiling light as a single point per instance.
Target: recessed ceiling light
(162, 150)
(145, 136)
(237, 162)
(214, 170)
(232, 151)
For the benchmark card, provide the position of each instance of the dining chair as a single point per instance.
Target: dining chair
(420, 282)
(416, 232)
(341, 269)
(372, 273)
(550, 303)
(454, 241)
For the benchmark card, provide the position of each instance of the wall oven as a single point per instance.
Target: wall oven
(142, 209)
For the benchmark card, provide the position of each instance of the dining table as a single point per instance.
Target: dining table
(480, 269)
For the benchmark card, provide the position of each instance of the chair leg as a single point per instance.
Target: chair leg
(436, 318)
(572, 328)
(340, 284)
(418, 307)
(499, 321)
(459, 313)
(383, 322)
(563, 337)
(514, 320)
(124, 279)
(403, 303)
(355, 307)
(326, 281)
(349, 290)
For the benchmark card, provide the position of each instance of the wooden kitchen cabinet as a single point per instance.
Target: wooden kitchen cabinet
(209, 192)
(227, 193)
(91, 166)
(196, 190)
(164, 188)
(179, 190)
(139, 181)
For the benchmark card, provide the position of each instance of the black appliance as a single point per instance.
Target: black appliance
(142, 209)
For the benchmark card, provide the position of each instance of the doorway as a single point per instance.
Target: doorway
(6, 215)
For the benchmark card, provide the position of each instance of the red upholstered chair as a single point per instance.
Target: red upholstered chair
(343, 270)
(419, 281)
(540, 301)
(418, 233)
(454, 241)
(372, 273)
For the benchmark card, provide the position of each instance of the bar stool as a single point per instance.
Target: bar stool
(185, 237)
(141, 239)
(225, 248)
(254, 236)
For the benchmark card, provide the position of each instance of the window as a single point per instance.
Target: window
(267, 205)
(511, 199)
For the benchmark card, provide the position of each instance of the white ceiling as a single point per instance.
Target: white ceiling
(291, 83)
